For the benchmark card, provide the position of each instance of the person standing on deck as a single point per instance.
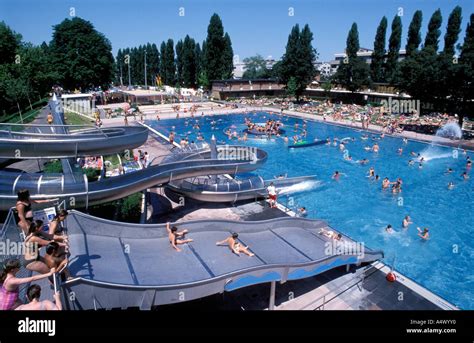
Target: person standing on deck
(272, 195)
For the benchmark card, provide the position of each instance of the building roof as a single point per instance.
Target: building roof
(142, 92)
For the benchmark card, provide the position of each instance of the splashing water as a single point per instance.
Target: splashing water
(301, 187)
(450, 130)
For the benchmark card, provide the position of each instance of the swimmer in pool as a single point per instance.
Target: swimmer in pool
(342, 146)
(389, 229)
(285, 139)
(406, 222)
(423, 234)
(371, 172)
(450, 185)
(414, 154)
(385, 183)
(405, 141)
(375, 147)
(420, 165)
(400, 151)
(364, 137)
(449, 171)
(336, 175)
(328, 141)
(377, 177)
(411, 162)
(348, 158)
(363, 161)
(367, 148)
(465, 176)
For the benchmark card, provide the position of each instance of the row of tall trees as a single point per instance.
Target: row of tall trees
(429, 75)
(184, 64)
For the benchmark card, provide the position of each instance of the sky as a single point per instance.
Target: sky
(255, 26)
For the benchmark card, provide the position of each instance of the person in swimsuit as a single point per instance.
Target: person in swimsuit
(235, 246)
(55, 224)
(56, 259)
(24, 210)
(385, 183)
(406, 222)
(9, 290)
(33, 295)
(331, 234)
(33, 243)
(423, 234)
(177, 237)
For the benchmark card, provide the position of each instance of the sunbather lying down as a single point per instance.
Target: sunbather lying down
(331, 234)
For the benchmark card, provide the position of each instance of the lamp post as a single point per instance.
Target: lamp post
(146, 85)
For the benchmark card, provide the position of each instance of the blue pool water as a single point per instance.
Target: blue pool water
(358, 207)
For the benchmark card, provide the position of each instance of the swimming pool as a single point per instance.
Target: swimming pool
(358, 207)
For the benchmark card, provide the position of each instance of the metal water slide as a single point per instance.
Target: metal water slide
(79, 193)
(121, 265)
(80, 141)
(231, 190)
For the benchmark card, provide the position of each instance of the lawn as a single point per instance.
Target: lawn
(71, 118)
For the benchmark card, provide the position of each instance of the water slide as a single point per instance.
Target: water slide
(208, 189)
(77, 192)
(121, 265)
(79, 141)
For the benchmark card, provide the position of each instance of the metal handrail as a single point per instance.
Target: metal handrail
(323, 297)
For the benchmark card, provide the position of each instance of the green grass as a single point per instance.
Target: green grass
(75, 119)
(53, 166)
(129, 209)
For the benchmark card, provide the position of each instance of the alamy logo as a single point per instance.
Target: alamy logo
(37, 326)
(397, 106)
(237, 153)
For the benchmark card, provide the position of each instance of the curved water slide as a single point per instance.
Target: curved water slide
(207, 189)
(121, 265)
(80, 141)
(77, 192)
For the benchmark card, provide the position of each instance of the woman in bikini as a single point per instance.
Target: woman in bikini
(9, 290)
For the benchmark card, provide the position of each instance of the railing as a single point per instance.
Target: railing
(328, 296)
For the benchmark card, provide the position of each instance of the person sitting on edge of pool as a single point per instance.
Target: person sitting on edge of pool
(450, 185)
(235, 246)
(406, 222)
(423, 234)
(176, 237)
(389, 228)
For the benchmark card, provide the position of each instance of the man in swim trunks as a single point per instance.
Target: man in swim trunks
(272, 195)
(336, 175)
(235, 246)
(176, 237)
(375, 147)
(385, 183)
(423, 234)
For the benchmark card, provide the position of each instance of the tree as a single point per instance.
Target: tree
(414, 36)
(153, 62)
(179, 62)
(190, 61)
(9, 43)
(452, 31)
(379, 52)
(353, 73)
(227, 58)
(168, 66)
(197, 59)
(218, 54)
(393, 48)
(163, 62)
(255, 68)
(465, 75)
(432, 36)
(81, 56)
(297, 64)
(292, 87)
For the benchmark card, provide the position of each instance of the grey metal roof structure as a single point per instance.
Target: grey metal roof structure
(121, 265)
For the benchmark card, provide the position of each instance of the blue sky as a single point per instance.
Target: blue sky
(255, 26)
